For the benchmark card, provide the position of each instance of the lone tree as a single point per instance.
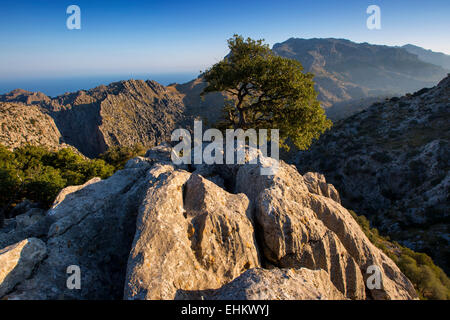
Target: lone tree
(267, 91)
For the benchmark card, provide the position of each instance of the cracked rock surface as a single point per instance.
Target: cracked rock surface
(157, 231)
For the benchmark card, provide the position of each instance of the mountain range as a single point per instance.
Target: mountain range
(350, 76)
(436, 58)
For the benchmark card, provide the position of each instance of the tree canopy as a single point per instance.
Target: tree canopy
(267, 92)
(37, 174)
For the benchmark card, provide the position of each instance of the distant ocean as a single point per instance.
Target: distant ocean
(57, 86)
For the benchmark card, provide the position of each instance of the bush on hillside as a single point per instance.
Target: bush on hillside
(34, 173)
(119, 155)
(429, 280)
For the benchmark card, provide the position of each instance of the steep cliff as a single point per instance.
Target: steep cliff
(28, 124)
(122, 113)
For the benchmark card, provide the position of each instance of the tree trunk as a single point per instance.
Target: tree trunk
(242, 123)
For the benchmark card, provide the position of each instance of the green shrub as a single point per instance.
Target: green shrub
(44, 186)
(429, 280)
(119, 155)
(37, 174)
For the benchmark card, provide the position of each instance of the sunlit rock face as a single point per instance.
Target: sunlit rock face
(158, 231)
(17, 262)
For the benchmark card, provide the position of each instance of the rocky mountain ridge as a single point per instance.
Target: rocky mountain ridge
(436, 58)
(350, 75)
(122, 113)
(157, 231)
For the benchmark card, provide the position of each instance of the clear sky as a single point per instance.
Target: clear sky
(137, 37)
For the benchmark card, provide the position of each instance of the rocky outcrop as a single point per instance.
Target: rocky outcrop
(27, 124)
(303, 229)
(158, 231)
(391, 164)
(206, 236)
(68, 191)
(91, 228)
(18, 261)
(123, 113)
(274, 284)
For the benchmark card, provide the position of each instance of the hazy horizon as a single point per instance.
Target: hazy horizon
(123, 37)
(55, 86)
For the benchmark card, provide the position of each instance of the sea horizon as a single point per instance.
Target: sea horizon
(55, 86)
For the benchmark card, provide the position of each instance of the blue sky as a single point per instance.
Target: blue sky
(141, 37)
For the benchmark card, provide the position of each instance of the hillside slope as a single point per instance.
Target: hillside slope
(26, 124)
(122, 113)
(391, 163)
(346, 71)
(436, 58)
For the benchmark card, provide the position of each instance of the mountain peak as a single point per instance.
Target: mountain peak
(349, 71)
(24, 96)
(120, 113)
(437, 58)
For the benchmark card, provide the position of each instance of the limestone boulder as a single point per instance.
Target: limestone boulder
(300, 228)
(18, 261)
(91, 227)
(190, 235)
(277, 284)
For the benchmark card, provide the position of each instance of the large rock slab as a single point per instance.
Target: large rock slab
(191, 235)
(18, 261)
(92, 228)
(275, 284)
(67, 191)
